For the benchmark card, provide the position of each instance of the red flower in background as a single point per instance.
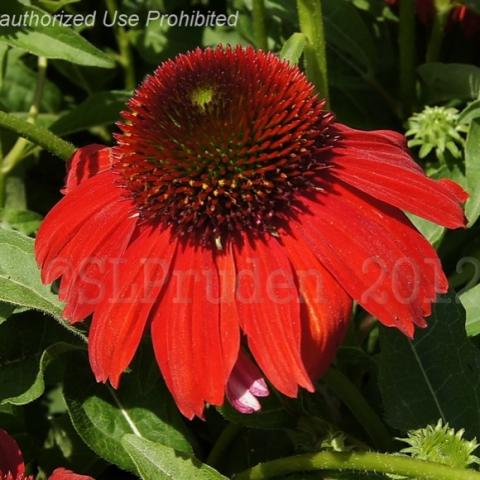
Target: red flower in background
(233, 211)
(460, 14)
(11, 459)
(12, 466)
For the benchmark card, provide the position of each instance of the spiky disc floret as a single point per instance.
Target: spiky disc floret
(222, 141)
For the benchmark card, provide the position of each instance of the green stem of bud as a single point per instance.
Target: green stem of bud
(357, 462)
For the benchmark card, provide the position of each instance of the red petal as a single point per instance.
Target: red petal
(376, 255)
(11, 458)
(326, 308)
(380, 138)
(191, 350)
(361, 160)
(119, 322)
(85, 163)
(85, 261)
(229, 316)
(97, 248)
(67, 217)
(268, 303)
(64, 474)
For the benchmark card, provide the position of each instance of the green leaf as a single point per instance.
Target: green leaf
(24, 221)
(52, 41)
(472, 172)
(6, 309)
(19, 86)
(474, 5)
(471, 302)
(20, 282)
(470, 112)
(348, 34)
(101, 108)
(54, 5)
(3, 62)
(142, 406)
(27, 346)
(159, 462)
(444, 81)
(272, 415)
(158, 41)
(431, 231)
(437, 375)
(293, 48)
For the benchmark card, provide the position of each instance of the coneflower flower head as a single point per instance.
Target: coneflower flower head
(235, 213)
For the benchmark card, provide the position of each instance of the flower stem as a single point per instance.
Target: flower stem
(126, 57)
(17, 152)
(442, 11)
(259, 24)
(223, 442)
(406, 40)
(38, 135)
(358, 405)
(357, 462)
(315, 53)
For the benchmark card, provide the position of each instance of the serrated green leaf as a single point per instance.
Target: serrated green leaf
(52, 41)
(444, 81)
(293, 48)
(142, 405)
(27, 347)
(20, 282)
(471, 302)
(472, 172)
(155, 461)
(101, 108)
(437, 375)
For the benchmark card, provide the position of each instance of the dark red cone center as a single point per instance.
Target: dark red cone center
(222, 141)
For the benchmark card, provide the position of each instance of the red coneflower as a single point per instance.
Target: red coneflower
(12, 466)
(231, 204)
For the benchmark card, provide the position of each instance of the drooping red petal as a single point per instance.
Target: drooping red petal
(68, 216)
(98, 247)
(11, 458)
(191, 350)
(229, 316)
(375, 254)
(85, 163)
(326, 308)
(131, 291)
(362, 160)
(64, 474)
(268, 304)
